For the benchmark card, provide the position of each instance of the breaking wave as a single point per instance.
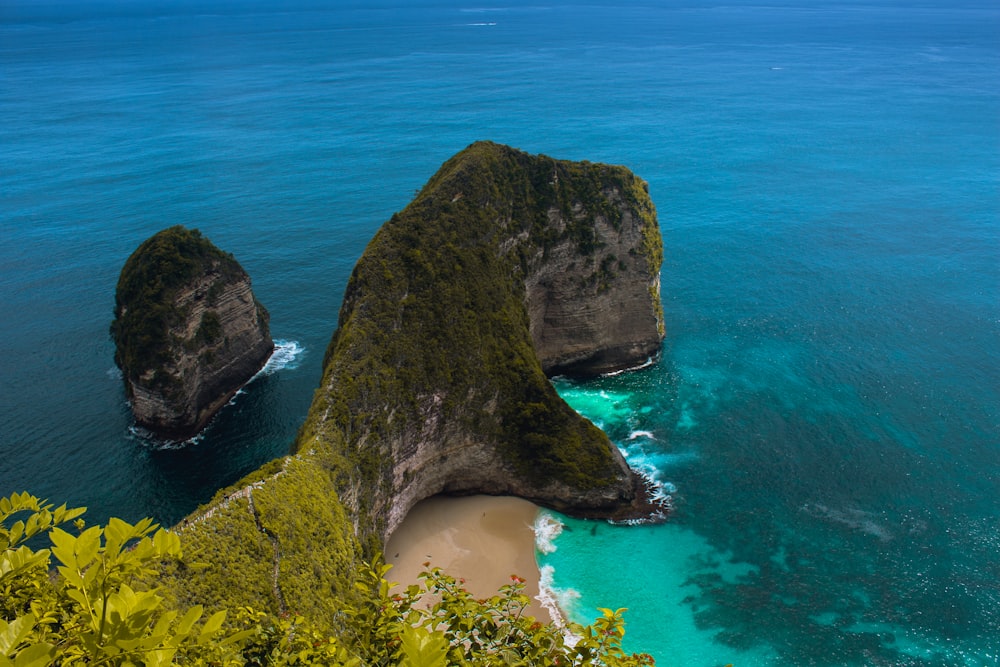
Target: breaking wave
(287, 354)
(547, 528)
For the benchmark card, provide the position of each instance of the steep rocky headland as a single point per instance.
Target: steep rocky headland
(188, 331)
(505, 267)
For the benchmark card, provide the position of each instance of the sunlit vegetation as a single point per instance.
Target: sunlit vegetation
(89, 597)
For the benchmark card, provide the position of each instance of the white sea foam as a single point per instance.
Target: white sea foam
(638, 458)
(287, 354)
(646, 364)
(656, 463)
(152, 441)
(641, 434)
(239, 392)
(661, 491)
(547, 528)
(559, 603)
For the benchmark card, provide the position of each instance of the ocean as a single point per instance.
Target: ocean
(825, 413)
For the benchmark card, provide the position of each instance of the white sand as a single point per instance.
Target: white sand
(482, 539)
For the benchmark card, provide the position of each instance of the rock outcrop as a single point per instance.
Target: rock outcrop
(505, 267)
(188, 331)
(599, 311)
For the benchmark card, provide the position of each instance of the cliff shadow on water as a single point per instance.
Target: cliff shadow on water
(505, 267)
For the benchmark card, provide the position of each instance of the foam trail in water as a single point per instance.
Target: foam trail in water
(649, 466)
(152, 441)
(556, 602)
(646, 364)
(852, 518)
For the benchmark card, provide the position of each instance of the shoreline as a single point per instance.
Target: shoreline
(481, 539)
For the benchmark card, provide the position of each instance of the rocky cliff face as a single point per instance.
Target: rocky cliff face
(188, 331)
(595, 308)
(505, 266)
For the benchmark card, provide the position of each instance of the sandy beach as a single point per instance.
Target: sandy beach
(482, 539)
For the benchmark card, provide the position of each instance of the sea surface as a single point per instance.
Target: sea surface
(824, 417)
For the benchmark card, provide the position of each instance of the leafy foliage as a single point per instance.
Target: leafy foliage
(97, 610)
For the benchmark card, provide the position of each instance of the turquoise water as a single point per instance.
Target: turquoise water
(825, 413)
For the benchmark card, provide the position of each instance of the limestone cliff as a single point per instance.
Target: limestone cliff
(188, 331)
(594, 308)
(504, 267)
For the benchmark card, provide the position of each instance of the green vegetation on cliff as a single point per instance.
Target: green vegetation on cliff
(434, 321)
(144, 299)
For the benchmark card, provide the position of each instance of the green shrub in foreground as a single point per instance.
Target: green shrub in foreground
(92, 609)
(95, 608)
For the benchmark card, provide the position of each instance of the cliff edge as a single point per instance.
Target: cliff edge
(188, 331)
(505, 267)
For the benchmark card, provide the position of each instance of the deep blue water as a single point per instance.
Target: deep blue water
(825, 415)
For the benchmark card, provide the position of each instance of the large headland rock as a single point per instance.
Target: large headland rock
(188, 331)
(505, 267)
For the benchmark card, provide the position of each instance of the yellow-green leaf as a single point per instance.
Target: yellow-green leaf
(212, 625)
(36, 655)
(13, 633)
(188, 620)
(87, 546)
(63, 547)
